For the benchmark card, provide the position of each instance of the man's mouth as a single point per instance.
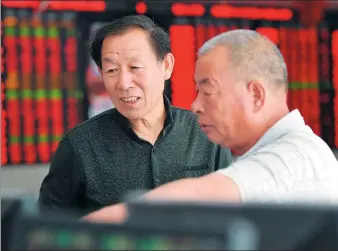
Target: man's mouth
(203, 126)
(130, 100)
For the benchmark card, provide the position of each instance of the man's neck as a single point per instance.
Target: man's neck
(152, 124)
(276, 115)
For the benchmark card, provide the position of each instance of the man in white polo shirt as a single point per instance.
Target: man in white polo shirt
(241, 80)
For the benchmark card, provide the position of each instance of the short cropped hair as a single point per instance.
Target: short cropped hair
(251, 55)
(159, 39)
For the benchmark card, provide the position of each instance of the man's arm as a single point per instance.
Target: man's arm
(63, 183)
(212, 187)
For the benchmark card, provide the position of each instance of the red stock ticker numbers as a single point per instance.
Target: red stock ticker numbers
(4, 139)
(12, 89)
(326, 87)
(334, 47)
(41, 94)
(27, 98)
(41, 90)
(73, 94)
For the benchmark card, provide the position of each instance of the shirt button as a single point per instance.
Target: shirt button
(154, 150)
(158, 180)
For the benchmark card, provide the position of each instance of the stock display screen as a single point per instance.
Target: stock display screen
(61, 239)
(52, 234)
(41, 95)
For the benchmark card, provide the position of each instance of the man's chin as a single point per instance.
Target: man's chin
(213, 137)
(131, 115)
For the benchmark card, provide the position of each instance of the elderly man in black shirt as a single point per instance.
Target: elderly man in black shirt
(142, 143)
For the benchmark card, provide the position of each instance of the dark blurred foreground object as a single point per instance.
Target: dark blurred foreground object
(15, 203)
(11, 204)
(280, 227)
(33, 231)
(9, 209)
(164, 225)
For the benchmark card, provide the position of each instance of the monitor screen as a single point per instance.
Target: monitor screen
(46, 233)
(290, 227)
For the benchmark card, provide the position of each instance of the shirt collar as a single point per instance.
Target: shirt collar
(168, 110)
(290, 122)
(168, 119)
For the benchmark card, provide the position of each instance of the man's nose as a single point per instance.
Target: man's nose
(125, 80)
(196, 106)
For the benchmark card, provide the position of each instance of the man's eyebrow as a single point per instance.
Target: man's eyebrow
(108, 60)
(132, 58)
(203, 81)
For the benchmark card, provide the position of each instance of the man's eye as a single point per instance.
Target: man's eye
(112, 70)
(134, 67)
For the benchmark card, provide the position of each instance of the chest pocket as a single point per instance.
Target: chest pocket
(196, 171)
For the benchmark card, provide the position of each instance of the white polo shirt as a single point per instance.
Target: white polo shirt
(288, 164)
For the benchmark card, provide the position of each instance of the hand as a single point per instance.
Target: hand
(112, 214)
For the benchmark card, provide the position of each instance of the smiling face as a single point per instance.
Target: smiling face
(132, 75)
(221, 104)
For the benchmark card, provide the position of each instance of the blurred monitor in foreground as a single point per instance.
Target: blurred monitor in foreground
(32, 231)
(280, 227)
(9, 210)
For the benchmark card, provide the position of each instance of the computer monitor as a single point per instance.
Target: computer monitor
(9, 209)
(50, 232)
(11, 204)
(282, 227)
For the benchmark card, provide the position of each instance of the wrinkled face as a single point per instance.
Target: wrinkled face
(222, 106)
(132, 75)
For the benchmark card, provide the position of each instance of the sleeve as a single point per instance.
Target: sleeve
(63, 184)
(223, 158)
(266, 176)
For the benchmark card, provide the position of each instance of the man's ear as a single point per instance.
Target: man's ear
(169, 62)
(100, 70)
(257, 94)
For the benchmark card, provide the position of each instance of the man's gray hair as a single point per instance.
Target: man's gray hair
(252, 56)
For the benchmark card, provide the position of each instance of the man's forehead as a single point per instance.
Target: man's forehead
(205, 70)
(212, 76)
(120, 47)
(211, 64)
(216, 56)
(114, 56)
